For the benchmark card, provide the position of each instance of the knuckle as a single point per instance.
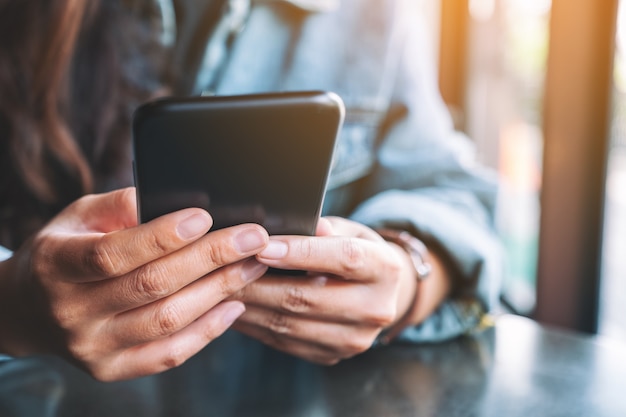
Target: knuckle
(279, 323)
(167, 320)
(104, 368)
(40, 267)
(156, 242)
(273, 340)
(174, 358)
(295, 300)
(211, 332)
(215, 254)
(85, 352)
(41, 258)
(226, 285)
(355, 345)
(150, 282)
(79, 348)
(241, 294)
(381, 316)
(103, 259)
(102, 374)
(63, 316)
(352, 258)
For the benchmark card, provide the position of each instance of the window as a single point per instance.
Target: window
(507, 63)
(533, 91)
(612, 320)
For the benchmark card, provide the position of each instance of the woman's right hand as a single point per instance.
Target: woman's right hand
(123, 300)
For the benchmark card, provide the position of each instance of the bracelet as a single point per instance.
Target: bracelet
(413, 246)
(417, 252)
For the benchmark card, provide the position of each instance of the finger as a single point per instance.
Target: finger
(320, 342)
(172, 351)
(94, 256)
(312, 353)
(348, 257)
(104, 212)
(345, 227)
(163, 277)
(319, 298)
(324, 227)
(172, 314)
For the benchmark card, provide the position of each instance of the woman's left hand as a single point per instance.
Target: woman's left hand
(358, 285)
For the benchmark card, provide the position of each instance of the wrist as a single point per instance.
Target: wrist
(419, 267)
(17, 311)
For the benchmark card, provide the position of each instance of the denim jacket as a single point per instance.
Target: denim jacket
(399, 161)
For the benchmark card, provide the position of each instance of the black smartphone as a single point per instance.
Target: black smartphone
(262, 158)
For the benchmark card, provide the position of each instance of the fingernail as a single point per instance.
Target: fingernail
(276, 249)
(232, 313)
(249, 240)
(252, 270)
(193, 226)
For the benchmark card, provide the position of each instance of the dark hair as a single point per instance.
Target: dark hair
(71, 72)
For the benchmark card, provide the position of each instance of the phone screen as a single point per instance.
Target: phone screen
(262, 158)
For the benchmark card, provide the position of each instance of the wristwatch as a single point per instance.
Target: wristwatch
(418, 253)
(413, 246)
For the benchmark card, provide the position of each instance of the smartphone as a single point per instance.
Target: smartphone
(262, 158)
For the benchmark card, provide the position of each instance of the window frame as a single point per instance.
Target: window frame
(576, 125)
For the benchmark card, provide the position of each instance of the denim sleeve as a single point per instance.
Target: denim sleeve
(4, 255)
(471, 247)
(427, 181)
(422, 175)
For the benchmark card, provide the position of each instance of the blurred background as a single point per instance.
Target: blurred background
(540, 86)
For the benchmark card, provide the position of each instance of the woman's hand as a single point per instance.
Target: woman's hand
(359, 286)
(124, 300)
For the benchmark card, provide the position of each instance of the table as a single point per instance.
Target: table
(515, 368)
